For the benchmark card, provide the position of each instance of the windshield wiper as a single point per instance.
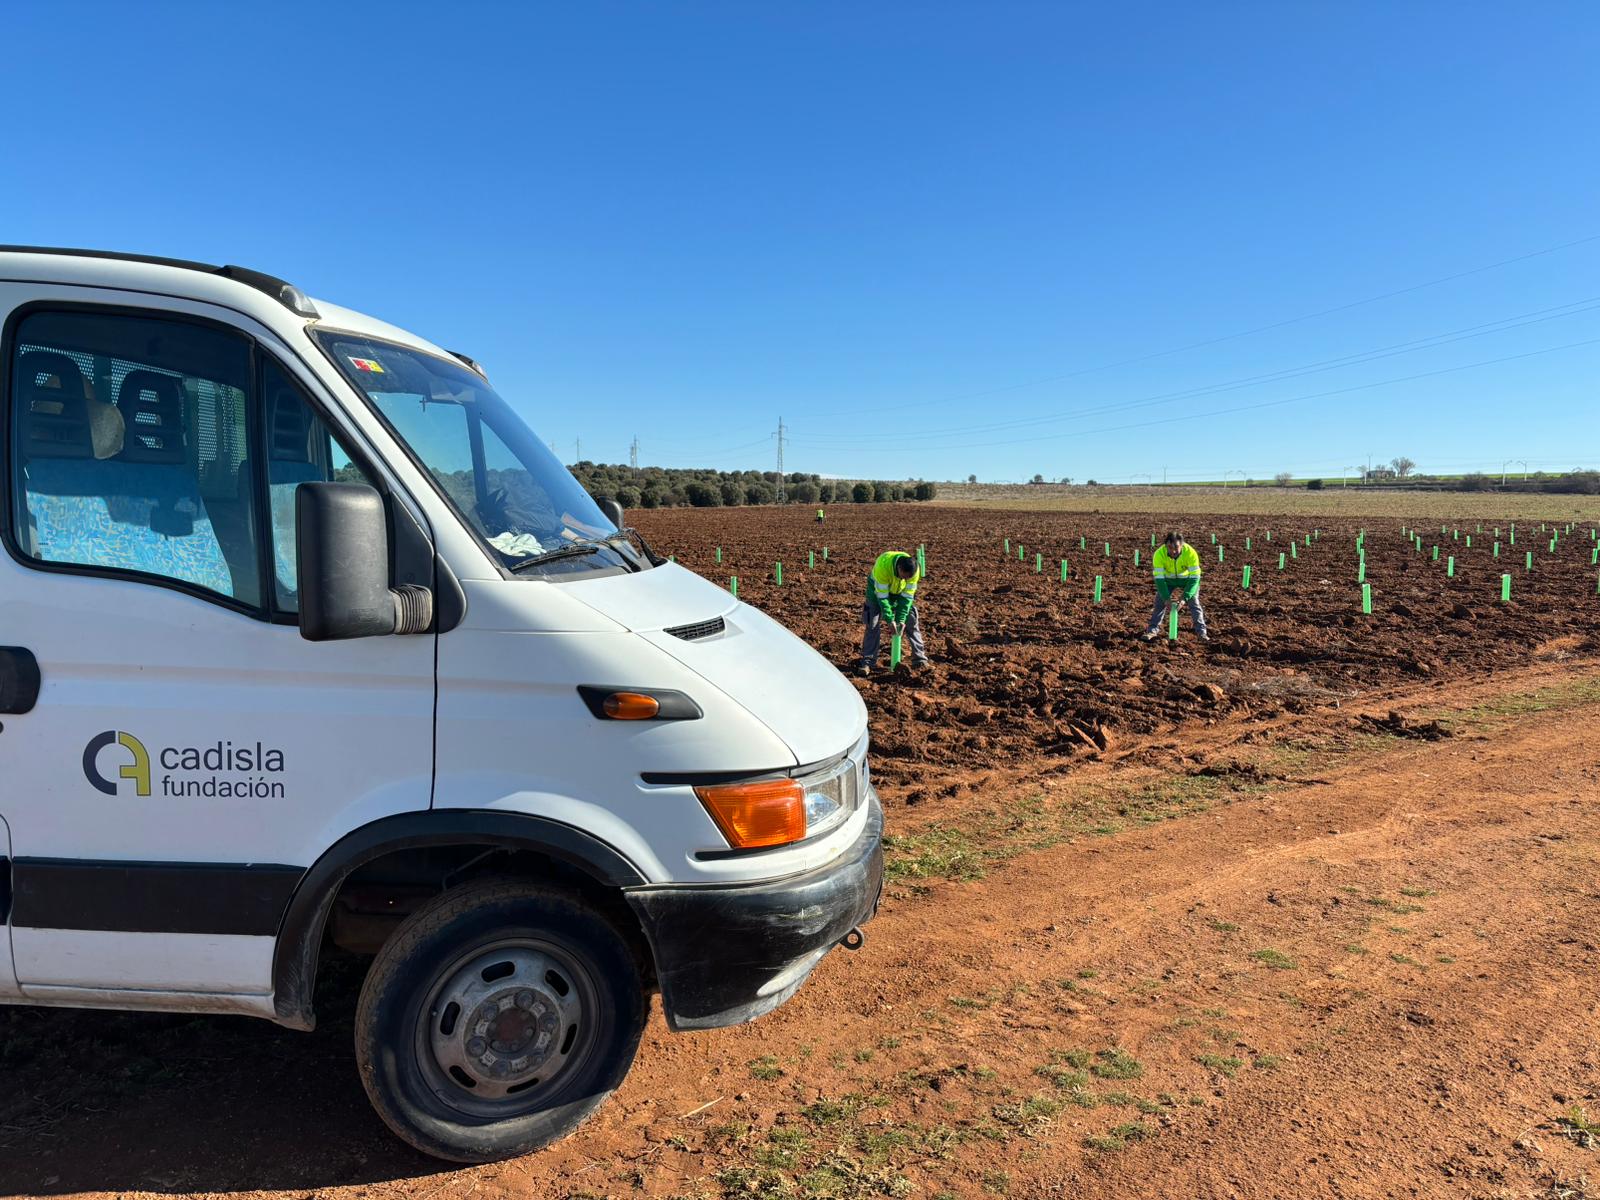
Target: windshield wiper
(628, 531)
(576, 550)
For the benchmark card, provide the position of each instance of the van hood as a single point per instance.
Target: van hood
(753, 659)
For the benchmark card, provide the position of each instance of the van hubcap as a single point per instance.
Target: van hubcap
(507, 1026)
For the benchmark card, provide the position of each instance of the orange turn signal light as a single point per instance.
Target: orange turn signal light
(751, 815)
(630, 706)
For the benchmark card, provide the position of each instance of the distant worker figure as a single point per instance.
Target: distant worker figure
(819, 516)
(892, 597)
(1176, 567)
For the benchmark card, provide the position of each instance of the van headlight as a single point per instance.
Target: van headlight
(776, 812)
(831, 795)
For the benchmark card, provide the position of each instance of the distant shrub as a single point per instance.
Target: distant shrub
(732, 493)
(703, 495)
(926, 491)
(1475, 482)
(761, 493)
(628, 497)
(882, 492)
(804, 493)
(862, 493)
(1313, 485)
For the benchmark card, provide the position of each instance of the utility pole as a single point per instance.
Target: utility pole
(577, 450)
(780, 435)
(633, 456)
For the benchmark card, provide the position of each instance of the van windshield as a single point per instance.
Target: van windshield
(503, 480)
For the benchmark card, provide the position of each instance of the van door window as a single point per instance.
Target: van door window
(300, 449)
(129, 446)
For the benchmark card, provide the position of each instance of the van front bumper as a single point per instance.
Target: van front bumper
(729, 954)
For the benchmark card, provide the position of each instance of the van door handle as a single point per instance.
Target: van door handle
(19, 679)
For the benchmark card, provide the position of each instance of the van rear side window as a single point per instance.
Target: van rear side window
(130, 450)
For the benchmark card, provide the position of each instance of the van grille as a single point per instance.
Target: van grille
(699, 630)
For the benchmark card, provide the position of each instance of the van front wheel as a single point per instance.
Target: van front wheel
(496, 1019)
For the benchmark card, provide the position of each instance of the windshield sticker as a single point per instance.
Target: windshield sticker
(367, 364)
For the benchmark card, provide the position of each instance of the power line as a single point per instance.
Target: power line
(780, 435)
(1229, 337)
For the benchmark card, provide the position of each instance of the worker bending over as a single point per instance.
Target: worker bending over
(1177, 573)
(892, 598)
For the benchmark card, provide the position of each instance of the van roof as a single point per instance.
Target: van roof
(285, 294)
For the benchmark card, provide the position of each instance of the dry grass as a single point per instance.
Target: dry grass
(1272, 501)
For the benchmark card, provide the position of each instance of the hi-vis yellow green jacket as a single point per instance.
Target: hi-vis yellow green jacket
(1182, 572)
(892, 594)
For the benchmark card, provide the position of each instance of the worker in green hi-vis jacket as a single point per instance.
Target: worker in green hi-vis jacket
(892, 597)
(1176, 568)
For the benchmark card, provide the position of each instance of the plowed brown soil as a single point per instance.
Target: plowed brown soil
(1252, 945)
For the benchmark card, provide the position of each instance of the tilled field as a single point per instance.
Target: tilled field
(1026, 667)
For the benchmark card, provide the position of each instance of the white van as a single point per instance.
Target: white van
(308, 642)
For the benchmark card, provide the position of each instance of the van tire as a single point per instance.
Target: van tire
(496, 1019)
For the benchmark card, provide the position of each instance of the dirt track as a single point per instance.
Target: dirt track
(1246, 952)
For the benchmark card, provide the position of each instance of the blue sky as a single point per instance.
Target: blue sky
(937, 239)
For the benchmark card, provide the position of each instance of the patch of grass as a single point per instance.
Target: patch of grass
(1217, 1014)
(1267, 1062)
(831, 1112)
(749, 1183)
(997, 1182)
(1063, 1077)
(1405, 960)
(1073, 1058)
(1355, 948)
(1445, 959)
(1394, 906)
(1223, 1064)
(1086, 973)
(889, 1043)
(1116, 1063)
(1036, 1110)
(765, 1068)
(1416, 893)
(1223, 926)
(863, 1056)
(1131, 1131)
(936, 852)
(1104, 1142)
(1275, 959)
(1575, 1124)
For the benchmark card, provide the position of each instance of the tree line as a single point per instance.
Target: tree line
(677, 487)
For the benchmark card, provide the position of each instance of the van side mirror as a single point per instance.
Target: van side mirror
(342, 551)
(613, 511)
